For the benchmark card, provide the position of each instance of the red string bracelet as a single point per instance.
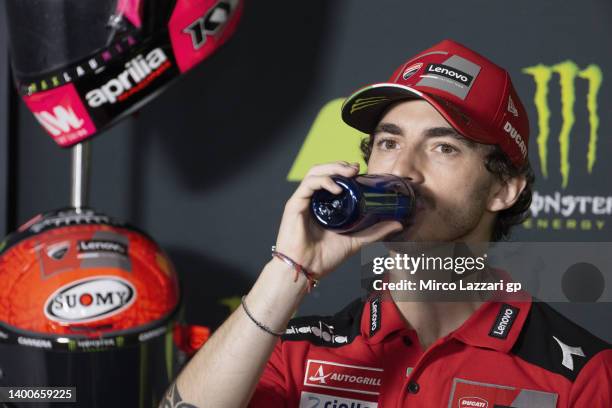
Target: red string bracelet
(312, 282)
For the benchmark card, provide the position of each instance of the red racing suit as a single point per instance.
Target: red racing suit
(506, 355)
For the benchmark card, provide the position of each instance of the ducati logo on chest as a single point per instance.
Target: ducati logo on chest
(473, 394)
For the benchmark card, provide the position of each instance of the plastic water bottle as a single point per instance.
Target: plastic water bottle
(364, 201)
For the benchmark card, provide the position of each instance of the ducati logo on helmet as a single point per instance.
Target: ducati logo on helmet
(90, 299)
(58, 251)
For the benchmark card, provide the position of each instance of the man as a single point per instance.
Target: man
(450, 122)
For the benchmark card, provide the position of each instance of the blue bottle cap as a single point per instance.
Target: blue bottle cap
(337, 211)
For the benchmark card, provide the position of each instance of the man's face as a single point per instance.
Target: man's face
(415, 142)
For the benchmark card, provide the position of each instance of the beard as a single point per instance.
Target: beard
(435, 220)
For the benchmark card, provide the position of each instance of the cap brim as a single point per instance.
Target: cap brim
(364, 109)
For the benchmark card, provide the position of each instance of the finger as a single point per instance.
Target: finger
(341, 168)
(377, 232)
(313, 183)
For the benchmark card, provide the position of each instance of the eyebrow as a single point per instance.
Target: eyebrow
(439, 131)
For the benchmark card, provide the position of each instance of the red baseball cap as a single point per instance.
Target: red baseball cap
(473, 94)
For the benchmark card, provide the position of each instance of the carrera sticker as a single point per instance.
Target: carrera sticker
(411, 70)
(505, 319)
(314, 400)
(38, 343)
(90, 299)
(343, 377)
(472, 394)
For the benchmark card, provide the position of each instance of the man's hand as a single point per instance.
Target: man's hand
(225, 372)
(319, 250)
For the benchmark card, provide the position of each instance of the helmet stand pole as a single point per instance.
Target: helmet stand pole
(81, 159)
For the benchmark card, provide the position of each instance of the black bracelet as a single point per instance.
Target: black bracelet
(261, 326)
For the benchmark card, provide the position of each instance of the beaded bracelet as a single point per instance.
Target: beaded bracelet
(312, 282)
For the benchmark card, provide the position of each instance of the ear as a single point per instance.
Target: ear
(505, 193)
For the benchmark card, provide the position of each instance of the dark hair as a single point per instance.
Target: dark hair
(498, 163)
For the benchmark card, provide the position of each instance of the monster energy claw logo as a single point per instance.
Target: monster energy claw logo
(362, 103)
(568, 71)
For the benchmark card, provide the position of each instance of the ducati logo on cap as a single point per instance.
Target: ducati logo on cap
(411, 70)
(516, 136)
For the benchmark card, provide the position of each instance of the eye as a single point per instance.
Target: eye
(386, 144)
(447, 149)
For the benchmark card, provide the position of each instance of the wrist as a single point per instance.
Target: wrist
(300, 270)
(285, 275)
(275, 296)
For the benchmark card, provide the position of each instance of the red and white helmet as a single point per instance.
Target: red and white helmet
(91, 303)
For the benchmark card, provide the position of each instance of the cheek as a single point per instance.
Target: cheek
(445, 182)
(464, 198)
(380, 163)
(458, 188)
(456, 176)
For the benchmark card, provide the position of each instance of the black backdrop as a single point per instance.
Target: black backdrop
(4, 128)
(206, 167)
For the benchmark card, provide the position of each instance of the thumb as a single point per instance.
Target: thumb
(377, 232)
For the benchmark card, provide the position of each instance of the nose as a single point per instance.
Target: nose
(408, 165)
